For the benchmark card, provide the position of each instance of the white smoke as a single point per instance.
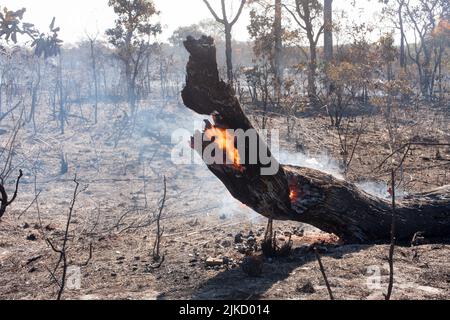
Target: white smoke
(234, 209)
(380, 190)
(374, 188)
(321, 162)
(324, 163)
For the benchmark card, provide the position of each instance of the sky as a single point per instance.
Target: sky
(76, 17)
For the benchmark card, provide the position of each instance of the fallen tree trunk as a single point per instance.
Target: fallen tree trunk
(302, 194)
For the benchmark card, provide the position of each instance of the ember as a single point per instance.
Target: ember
(293, 195)
(293, 191)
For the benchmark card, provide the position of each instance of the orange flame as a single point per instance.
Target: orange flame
(225, 141)
(293, 195)
(293, 190)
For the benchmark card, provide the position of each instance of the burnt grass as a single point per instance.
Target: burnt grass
(120, 168)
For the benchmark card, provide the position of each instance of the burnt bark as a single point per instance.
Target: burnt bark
(328, 30)
(303, 194)
(278, 52)
(4, 202)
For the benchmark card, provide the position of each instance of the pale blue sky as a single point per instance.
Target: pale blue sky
(77, 16)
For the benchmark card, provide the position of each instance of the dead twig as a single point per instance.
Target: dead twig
(322, 270)
(10, 148)
(63, 251)
(90, 256)
(97, 220)
(4, 115)
(408, 147)
(159, 231)
(5, 203)
(393, 239)
(30, 205)
(38, 210)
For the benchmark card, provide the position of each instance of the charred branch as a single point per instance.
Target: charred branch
(5, 203)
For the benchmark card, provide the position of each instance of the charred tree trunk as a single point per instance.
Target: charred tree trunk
(278, 52)
(328, 30)
(402, 35)
(62, 109)
(302, 194)
(229, 52)
(94, 75)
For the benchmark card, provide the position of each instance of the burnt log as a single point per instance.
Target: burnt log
(302, 194)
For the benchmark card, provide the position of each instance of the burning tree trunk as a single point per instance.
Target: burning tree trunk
(293, 193)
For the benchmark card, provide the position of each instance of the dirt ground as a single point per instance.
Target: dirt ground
(121, 177)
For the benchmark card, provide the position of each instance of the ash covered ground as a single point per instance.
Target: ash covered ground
(120, 165)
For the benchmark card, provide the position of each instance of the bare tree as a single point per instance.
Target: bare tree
(35, 85)
(403, 63)
(92, 41)
(426, 54)
(228, 25)
(62, 116)
(306, 13)
(278, 53)
(328, 30)
(348, 148)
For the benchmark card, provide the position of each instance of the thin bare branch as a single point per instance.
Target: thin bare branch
(322, 270)
(213, 12)
(393, 240)
(241, 7)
